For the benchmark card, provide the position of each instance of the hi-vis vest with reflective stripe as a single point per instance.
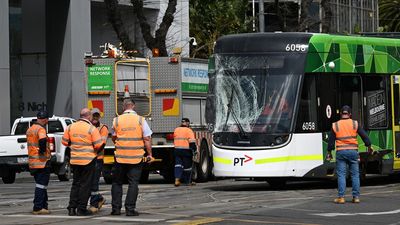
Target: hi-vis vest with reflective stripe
(84, 139)
(35, 159)
(129, 145)
(346, 134)
(103, 129)
(183, 136)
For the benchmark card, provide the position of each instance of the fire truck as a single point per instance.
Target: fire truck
(165, 90)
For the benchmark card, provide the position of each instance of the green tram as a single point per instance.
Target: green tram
(274, 96)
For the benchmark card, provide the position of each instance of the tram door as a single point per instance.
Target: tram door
(395, 84)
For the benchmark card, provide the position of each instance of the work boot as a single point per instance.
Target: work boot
(101, 203)
(177, 182)
(41, 212)
(84, 212)
(190, 184)
(339, 200)
(71, 211)
(116, 212)
(355, 200)
(132, 213)
(93, 209)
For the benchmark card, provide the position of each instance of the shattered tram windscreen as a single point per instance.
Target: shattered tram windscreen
(255, 96)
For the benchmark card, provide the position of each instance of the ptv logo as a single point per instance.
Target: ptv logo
(241, 160)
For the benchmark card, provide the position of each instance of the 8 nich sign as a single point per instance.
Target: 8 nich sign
(100, 78)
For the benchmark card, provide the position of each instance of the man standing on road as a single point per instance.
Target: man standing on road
(84, 140)
(131, 135)
(344, 133)
(96, 199)
(38, 157)
(185, 147)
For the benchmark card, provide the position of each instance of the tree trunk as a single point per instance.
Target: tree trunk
(305, 20)
(327, 16)
(114, 16)
(279, 16)
(159, 41)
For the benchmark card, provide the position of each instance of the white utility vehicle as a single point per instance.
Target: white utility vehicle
(14, 149)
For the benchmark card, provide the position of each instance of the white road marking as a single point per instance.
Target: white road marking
(109, 218)
(45, 216)
(357, 214)
(29, 200)
(106, 218)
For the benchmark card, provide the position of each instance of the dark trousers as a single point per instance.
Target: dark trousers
(132, 172)
(80, 190)
(95, 196)
(183, 164)
(42, 177)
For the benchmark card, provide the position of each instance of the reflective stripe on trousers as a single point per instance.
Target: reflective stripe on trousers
(41, 186)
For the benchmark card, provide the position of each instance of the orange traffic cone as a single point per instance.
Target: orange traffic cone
(126, 92)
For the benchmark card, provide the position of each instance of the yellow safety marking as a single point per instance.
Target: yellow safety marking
(214, 219)
(201, 221)
(289, 158)
(222, 160)
(269, 222)
(395, 127)
(108, 159)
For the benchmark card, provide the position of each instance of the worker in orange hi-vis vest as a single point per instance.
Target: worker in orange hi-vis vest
(132, 136)
(344, 136)
(38, 157)
(96, 199)
(84, 141)
(185, 147)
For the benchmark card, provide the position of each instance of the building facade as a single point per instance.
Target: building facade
(348, 16)
(44, 42)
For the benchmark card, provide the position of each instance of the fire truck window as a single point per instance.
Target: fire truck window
(192, 110)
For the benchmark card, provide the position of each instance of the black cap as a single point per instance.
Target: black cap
(185, 120)
(345, 110)
(42, 115)
(95, 110)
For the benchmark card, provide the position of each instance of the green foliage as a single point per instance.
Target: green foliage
(389, 15)
(211, 19)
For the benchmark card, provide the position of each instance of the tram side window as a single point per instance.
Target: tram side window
(375, 102)
(307, 115)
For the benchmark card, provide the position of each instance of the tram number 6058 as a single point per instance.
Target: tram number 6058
(295, 47)
(308, 126)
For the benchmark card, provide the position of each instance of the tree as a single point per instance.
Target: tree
(158, 40)
(210, 19)
(389, 15)
(327, 16)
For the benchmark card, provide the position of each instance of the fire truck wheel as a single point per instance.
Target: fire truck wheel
(144, 177)
(9, 178)
(168, 175)
(203, 168)
(66, 168)
(107, 173)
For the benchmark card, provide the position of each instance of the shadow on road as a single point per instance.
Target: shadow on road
(251, 185)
